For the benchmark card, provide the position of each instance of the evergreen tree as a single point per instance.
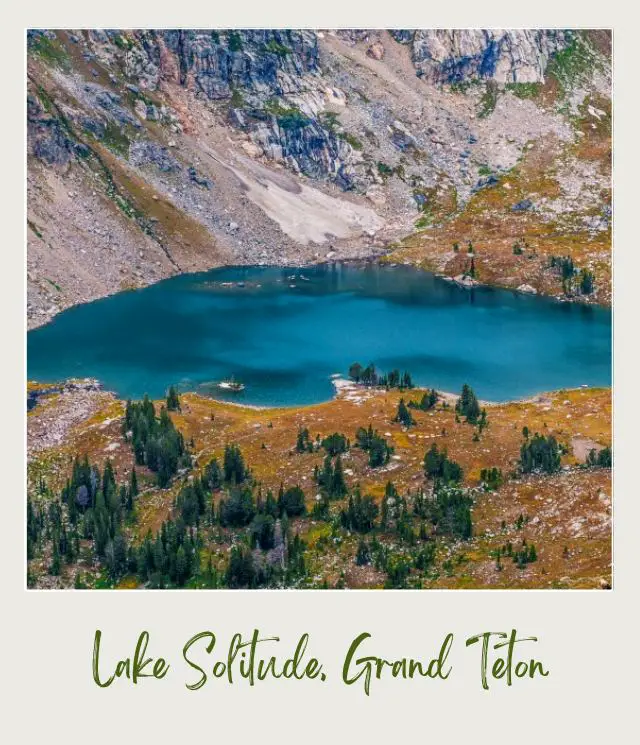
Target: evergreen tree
(403, 415)
(491, 478)
(292, 502)
(599, 459)
(234, 469)
(241, 570)
(263, 531)
(303, 443)
(406, 381)
(363, 554)
(377, 447)
(482, 421)
(133, 484)
(355, 371)
(468, 405)
(212, 476)
(173, 400)
(239, 509)
(54, 568)
(605, 458)
(155, 441)
(392, 506)
(369, 375)
(270, 505)
(451, 512)
(335, 444)
(540, 453)
(437, 466)
(360, 513)
(586, 282)
(338, 484)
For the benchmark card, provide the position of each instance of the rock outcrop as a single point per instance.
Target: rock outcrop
(514, 56)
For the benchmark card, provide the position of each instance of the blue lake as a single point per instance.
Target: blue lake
(286, 331)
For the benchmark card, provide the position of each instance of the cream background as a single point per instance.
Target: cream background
(586, 639)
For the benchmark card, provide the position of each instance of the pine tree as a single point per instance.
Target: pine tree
(482, 421)
(292, 502)
(303, 443)
(54, 569)
(403, 415)
(468, 405)
(363, 555)
(355, 371)
(338, 484)
(234, 469)
(586, 282)
(173, 400)
(335, 444)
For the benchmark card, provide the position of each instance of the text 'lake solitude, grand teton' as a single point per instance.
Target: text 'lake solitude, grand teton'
(284, 331)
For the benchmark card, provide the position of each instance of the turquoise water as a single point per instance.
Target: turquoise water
(284, 337)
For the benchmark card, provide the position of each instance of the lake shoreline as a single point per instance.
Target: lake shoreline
(343, 387)
(377, 259)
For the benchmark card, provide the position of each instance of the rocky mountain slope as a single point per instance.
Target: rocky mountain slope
(157, 152)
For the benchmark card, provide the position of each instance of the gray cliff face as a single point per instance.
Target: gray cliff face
(273, 83)
(252, 70)
(215, 63)
(269, 78)
(511, 56)
(47, 138)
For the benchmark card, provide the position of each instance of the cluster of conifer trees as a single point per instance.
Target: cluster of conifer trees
(599, 459)
(155, 440)
(440, 468)
(428, 401)
(491, 478)
(403, 415)
(330, 478)
(375, 445)
(447, 510)
(334, 444)
(93, 512)
(573, 280)
(539, 453)
(469, 407)
(526, 554)
(91, 508)
(369, 376)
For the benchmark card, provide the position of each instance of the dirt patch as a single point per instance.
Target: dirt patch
(582, 446)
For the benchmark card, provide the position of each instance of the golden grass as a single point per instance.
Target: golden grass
(569, 513)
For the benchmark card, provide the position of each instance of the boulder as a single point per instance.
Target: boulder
(376, 51)
(528, 289)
